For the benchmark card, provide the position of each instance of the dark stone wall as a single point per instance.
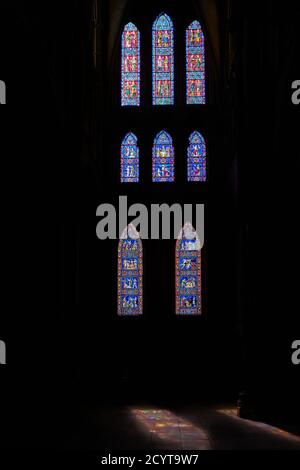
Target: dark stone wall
(267, 44)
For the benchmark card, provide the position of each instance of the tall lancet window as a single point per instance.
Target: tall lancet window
(195, 64)
(188, 272)
(196, 158)
(130, 87)
(163, 158)
(129, 159)
(130, 273)
(163, 61)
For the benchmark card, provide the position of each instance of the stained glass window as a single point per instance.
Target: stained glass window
(195, 64)
(129, 159)
(196, 158)
(188, 272)
(130, 66)
(130, 273)
(163, 61)
(163, 158)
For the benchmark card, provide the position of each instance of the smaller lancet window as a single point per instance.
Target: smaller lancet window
(130, 273)
(129, 159)
(188, 272)
(163, 158)
(196, 158)
(195, 64)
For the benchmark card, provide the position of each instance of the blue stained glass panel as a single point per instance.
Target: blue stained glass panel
(188, 272)
(129, 159)
(130, 86)
(195, 64)
(196, 158)
(130, 273)
(163, 61)
(163, 158)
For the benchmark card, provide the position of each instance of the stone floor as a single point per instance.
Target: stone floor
(186, 428)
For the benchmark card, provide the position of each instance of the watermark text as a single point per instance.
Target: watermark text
(296, 93)
(160, 221)
(2, 92)
(2, 352)
(296, 353)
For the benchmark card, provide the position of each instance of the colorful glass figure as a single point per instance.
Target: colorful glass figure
(163, 61)
(129, 159)
(130, 88)
(195, 64)
(188, 272)
(196, 158)
(163, 158)
(130, 273)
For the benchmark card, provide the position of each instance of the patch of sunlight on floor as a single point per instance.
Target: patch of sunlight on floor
(171, 429)
(232, 412)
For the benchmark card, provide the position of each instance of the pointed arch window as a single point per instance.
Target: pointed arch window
(195, 64)
(188, 272)
(163, 61)
(163, 158)
(130, 86)
(196, 158)
(130, 273)
(129, 159)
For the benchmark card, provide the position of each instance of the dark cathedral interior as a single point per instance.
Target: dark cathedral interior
(78, 375)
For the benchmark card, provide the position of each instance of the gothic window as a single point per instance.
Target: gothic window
(163, 158)
(195, 64)
(163, 61)
(130, 273)
(130, 66)
(188, 272)
(129, 159)
(196, 158)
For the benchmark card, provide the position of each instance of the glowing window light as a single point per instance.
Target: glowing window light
(130, 273)
(196, 158)
(195, 64)
(188, 272)
(130, 86)
(163, 61)
(129, 159)
(163, 158)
